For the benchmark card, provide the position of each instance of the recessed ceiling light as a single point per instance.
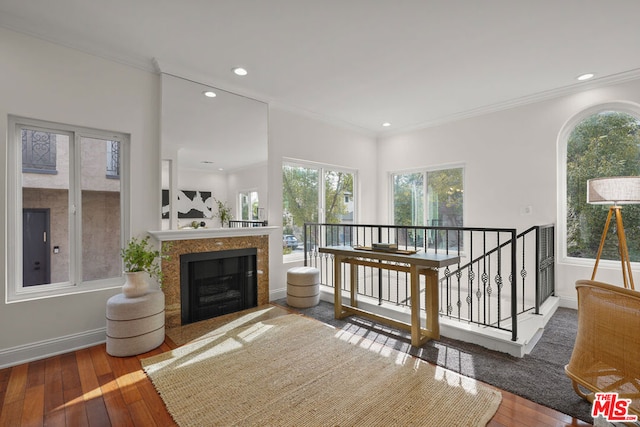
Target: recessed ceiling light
(209, 94)
(239, 71)
(386, 124)
(586, 76)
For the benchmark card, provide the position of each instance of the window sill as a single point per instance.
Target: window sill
(63, 290)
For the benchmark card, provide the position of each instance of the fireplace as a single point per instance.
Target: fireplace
(176, 243)
(216, 283)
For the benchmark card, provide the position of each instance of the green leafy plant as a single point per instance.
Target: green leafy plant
(139, 255)
(224, 212)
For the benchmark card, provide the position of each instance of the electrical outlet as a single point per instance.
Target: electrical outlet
(526, 210)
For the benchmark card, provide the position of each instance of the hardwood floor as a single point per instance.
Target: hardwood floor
(90, 388)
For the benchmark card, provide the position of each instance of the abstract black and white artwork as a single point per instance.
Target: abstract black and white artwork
(191, 204)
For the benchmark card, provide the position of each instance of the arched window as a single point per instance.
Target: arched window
(602, 141)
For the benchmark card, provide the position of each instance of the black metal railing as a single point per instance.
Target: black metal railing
(490, 285)
(238, 223)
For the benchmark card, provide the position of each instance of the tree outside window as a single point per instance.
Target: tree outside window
(314, 194)
(432, 198)
(248, 205)
(604, 144)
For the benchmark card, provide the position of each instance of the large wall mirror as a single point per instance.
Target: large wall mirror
(214, 148)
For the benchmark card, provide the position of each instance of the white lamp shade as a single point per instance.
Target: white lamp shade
(618, 190)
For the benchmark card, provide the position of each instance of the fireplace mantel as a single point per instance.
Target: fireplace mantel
(211, 233)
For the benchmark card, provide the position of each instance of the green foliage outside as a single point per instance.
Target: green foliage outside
(249, 206)
(336, 184)
(441, 207)
(301, 197)
(444, 198)
(408, 199)
(605, 144)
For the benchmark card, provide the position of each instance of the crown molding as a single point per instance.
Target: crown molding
(141, 63)
(522, 101)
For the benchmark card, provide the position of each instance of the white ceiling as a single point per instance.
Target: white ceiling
(358, 62)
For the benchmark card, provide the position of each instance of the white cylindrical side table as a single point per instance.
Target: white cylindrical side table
(135, 325)
(303, 287)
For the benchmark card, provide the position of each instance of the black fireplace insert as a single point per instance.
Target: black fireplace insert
(217, 283)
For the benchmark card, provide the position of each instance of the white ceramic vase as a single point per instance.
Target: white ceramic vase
(136, 284)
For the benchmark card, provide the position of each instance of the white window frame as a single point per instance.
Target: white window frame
(563, 138)
(424, 171)
(15, 291)
(322, 167)
(239, 203)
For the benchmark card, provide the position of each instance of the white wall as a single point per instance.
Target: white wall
(293, 136)
(510, 160)
(45, 81)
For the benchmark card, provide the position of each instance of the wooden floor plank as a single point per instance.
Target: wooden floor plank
(70, 375)
(54, 414)
(99, 358)
(125, 381)
(11, 413)
(97, 412)
(36, 373)
(114, 402)
(17, 384)
(74, 409)
(33, 407)
(4, 381)
(141, 414)
(87, 374)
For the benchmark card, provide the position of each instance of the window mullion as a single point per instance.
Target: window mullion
(75, 210)
(425, 201)
(321, 196)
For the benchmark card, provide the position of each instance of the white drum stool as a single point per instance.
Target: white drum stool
(303, 287)
(135, 325)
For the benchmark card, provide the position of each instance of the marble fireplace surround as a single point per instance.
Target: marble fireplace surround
(209, 240)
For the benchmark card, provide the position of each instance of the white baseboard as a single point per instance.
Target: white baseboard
(569, 302)
(51, 347)
(277, 294)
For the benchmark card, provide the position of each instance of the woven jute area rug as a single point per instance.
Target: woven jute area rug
(296, 371)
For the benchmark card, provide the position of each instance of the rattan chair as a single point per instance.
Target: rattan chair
(606, 354)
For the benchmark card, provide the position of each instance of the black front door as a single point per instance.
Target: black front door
(35, 250)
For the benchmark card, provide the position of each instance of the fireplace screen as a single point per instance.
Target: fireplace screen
(217, 283)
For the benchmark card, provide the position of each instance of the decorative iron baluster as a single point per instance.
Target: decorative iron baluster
(447, 274)
(470, 278)
(498, 280)
(459, 302)
(523, 272)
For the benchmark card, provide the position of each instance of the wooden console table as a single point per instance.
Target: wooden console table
(417, 263)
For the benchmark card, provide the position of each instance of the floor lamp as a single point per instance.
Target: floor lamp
(615, 191)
